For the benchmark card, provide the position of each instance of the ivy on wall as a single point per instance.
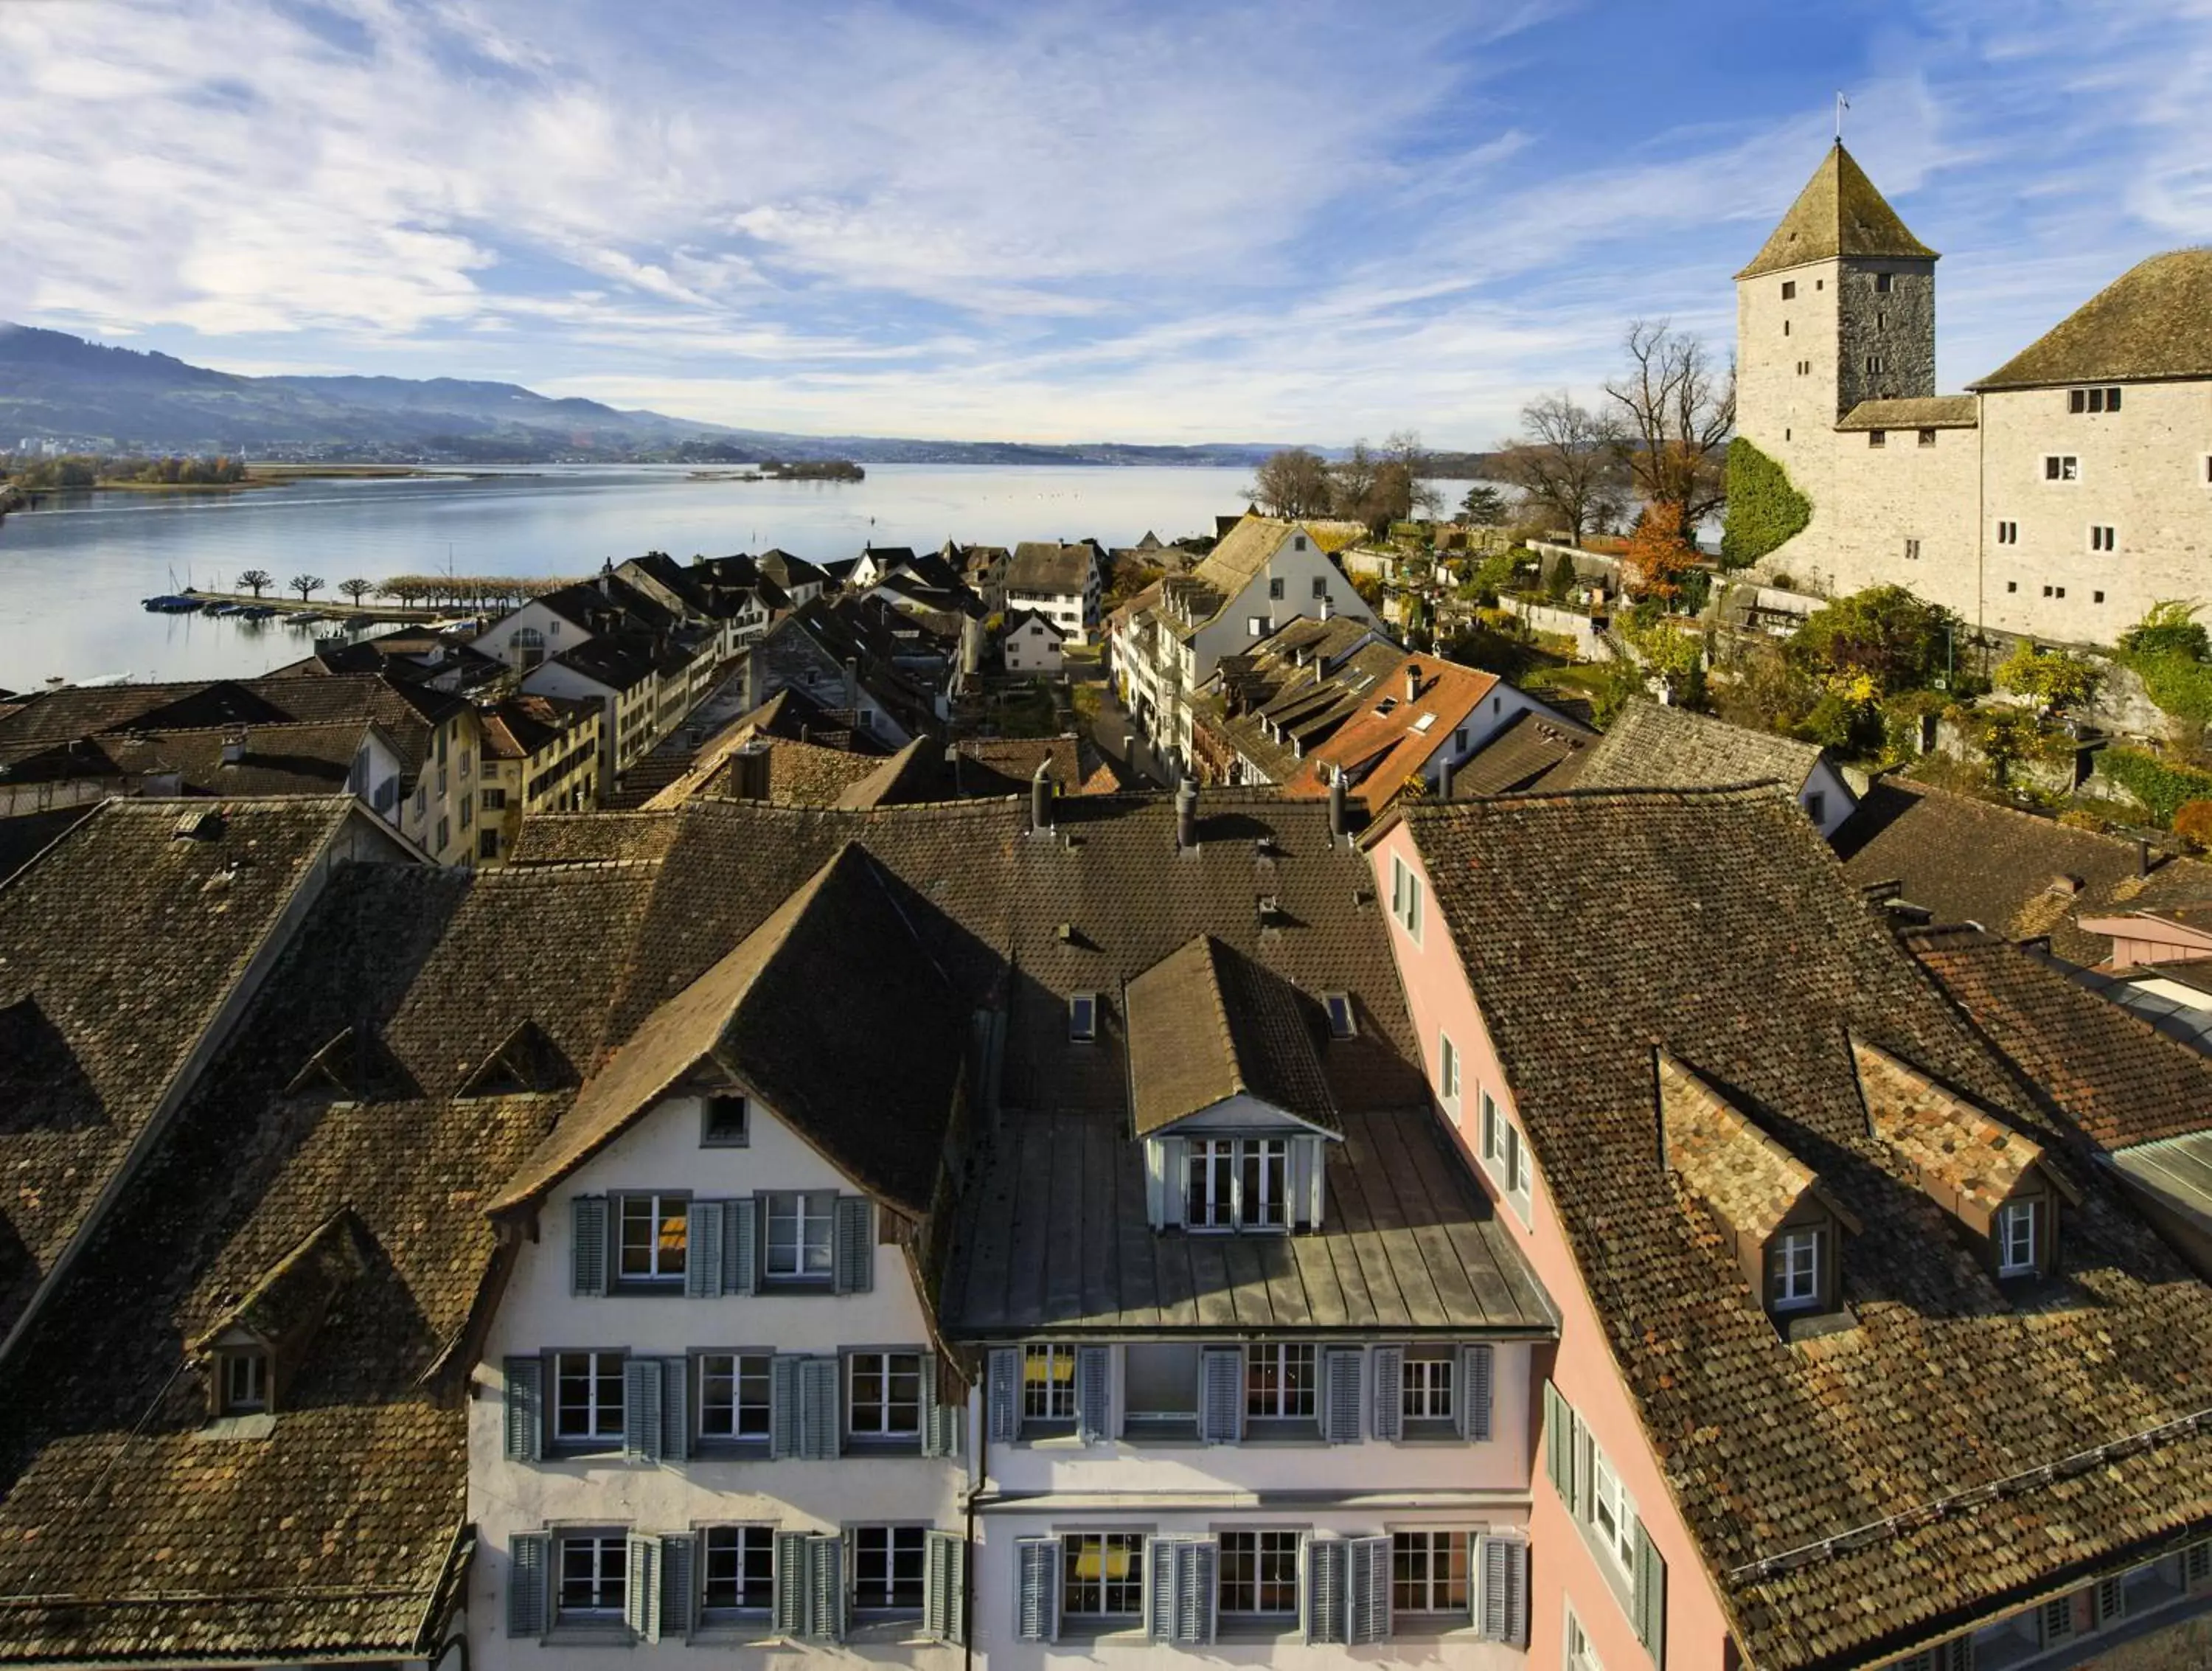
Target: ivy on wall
(1763, 509)
(2163, 789)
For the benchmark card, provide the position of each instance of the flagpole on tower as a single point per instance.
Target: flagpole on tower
(1842, 105)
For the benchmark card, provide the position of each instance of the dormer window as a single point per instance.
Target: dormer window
(725, 1122)
(1237, 1183)
(1082, 1018)
(245, 1389)
(2018, 1246)
(1794, 1264)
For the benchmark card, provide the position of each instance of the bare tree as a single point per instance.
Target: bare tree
(257, 579)
(1566, 461)
(1678, 406)
(304, 584)
(1293, 483)
(1352, 479)
(356, 589)
(1406, 466)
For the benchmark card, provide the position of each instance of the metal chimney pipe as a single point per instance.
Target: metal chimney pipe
(1337, 825)
(1041, 800)
(1187, 814)
(1413, 684)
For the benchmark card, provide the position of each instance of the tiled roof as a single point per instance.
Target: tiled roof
(1520, 755)
(829, 1010)
(119, 948)
(1941, 1136)
(1242, 553)
(1723, 1159)
(1005, 765)
(1715, 925)
(1204, 1024)
(1651, 745)
(2155, 320)
(1290, 694)
(1043, 567)
(1380, 747)
(141, 1535)
(915, 773)
(2111, 1073)
(1939, 411)
(278, 760)
(2015, 874)
(1839, 213)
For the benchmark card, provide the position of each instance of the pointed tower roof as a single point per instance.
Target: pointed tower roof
(1838, 213)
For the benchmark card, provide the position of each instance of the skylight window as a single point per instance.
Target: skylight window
(1083, 1017)
(1426, 722)
(1340, 1022)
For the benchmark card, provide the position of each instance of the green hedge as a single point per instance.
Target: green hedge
(2162, 788)
(1763, 509)
(2179, 683)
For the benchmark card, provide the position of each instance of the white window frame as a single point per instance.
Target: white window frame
(1452, 1540)
(1278, 1358)
(2016, 1223)
(1795, 1280)
(657, 1217)
(739, 1542)
(1406, 896)
(1074, 1590)
(603, 1425)
(883, 1362)
(761, 1380)
(1447, 1072)
(916, 1554)
(1214, 1158)
(609, 1573)
(1576, 1654)
(710, 1138)
(1082, 1018)
(1271, 1210)
(244, 1382)
(2068, 471)
(1613, 1512)
(807, 1211)
(1285, 1540)
(1229, 1201)
(1428, 1388)
(1056, 1384)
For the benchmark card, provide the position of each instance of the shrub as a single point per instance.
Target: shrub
(1885, 632)
(1764, 509)
(2170, 627)
(2082, 818)
(2052, 680)
(2163, 789)
(2193, 821)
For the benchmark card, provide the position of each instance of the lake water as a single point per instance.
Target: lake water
(71, 577)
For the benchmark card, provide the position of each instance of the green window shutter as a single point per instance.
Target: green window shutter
(1172, 1153)
(529, 1555)
(1585, 1474)
(1198, 1587)
(853, 1246)
(940, 1420)
(1221, 1396)
(817, 1408)
(791, 1583)
(525, 1407)
(642, 1591)
(1559, 1444)
(1325, 1563)
(1367, 1606)
(587, 1219)
(783, 1401)
(702, 1261)
(825, 1587)
(1339, 1386)
(1501, 1609)
(1003, 1393)
(676, 1410)
(678, 1608)
(944, 1587)
(1650, 1612)
(1389, 1391)
(1037, 1588)
(1475, 1377)
(740, 1245)
(641, 1410)
(1155, 1182)
(1159, 1589)
(1093, 1394)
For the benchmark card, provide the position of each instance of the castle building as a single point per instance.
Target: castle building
(2061, 496)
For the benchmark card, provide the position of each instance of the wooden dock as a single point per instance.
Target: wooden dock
(335, 612)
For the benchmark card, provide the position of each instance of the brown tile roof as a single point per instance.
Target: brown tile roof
(915, 773)
(2017, 875)
(1715, 925)
(582, 838)
(126, 941)
(1723, 1159)
(1381, 751)
(1205, 1024)
(1651, 745)
(1939, 411)
(1839, 213)
(1242, 553)
(1041, 566)
(140, 1535)
(1005, 765)
(2153, 321)
(2111, 1072)
(1943, 1139)
(278, 760)
(1521, 755)
(829, 1010)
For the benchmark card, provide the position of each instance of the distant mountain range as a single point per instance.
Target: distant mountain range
(57, 387)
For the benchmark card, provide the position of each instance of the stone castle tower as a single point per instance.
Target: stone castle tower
(1838, 307)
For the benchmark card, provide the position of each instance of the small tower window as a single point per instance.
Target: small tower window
(1883, 282)
(2007, 533)
(1928, 438)
(2103, 538)
(1785, 327)
(1788, 290)
(1877, 438)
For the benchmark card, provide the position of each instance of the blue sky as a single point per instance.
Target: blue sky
(1170, 222)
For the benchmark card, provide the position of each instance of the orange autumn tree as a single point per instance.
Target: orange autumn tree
(1658, 557)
